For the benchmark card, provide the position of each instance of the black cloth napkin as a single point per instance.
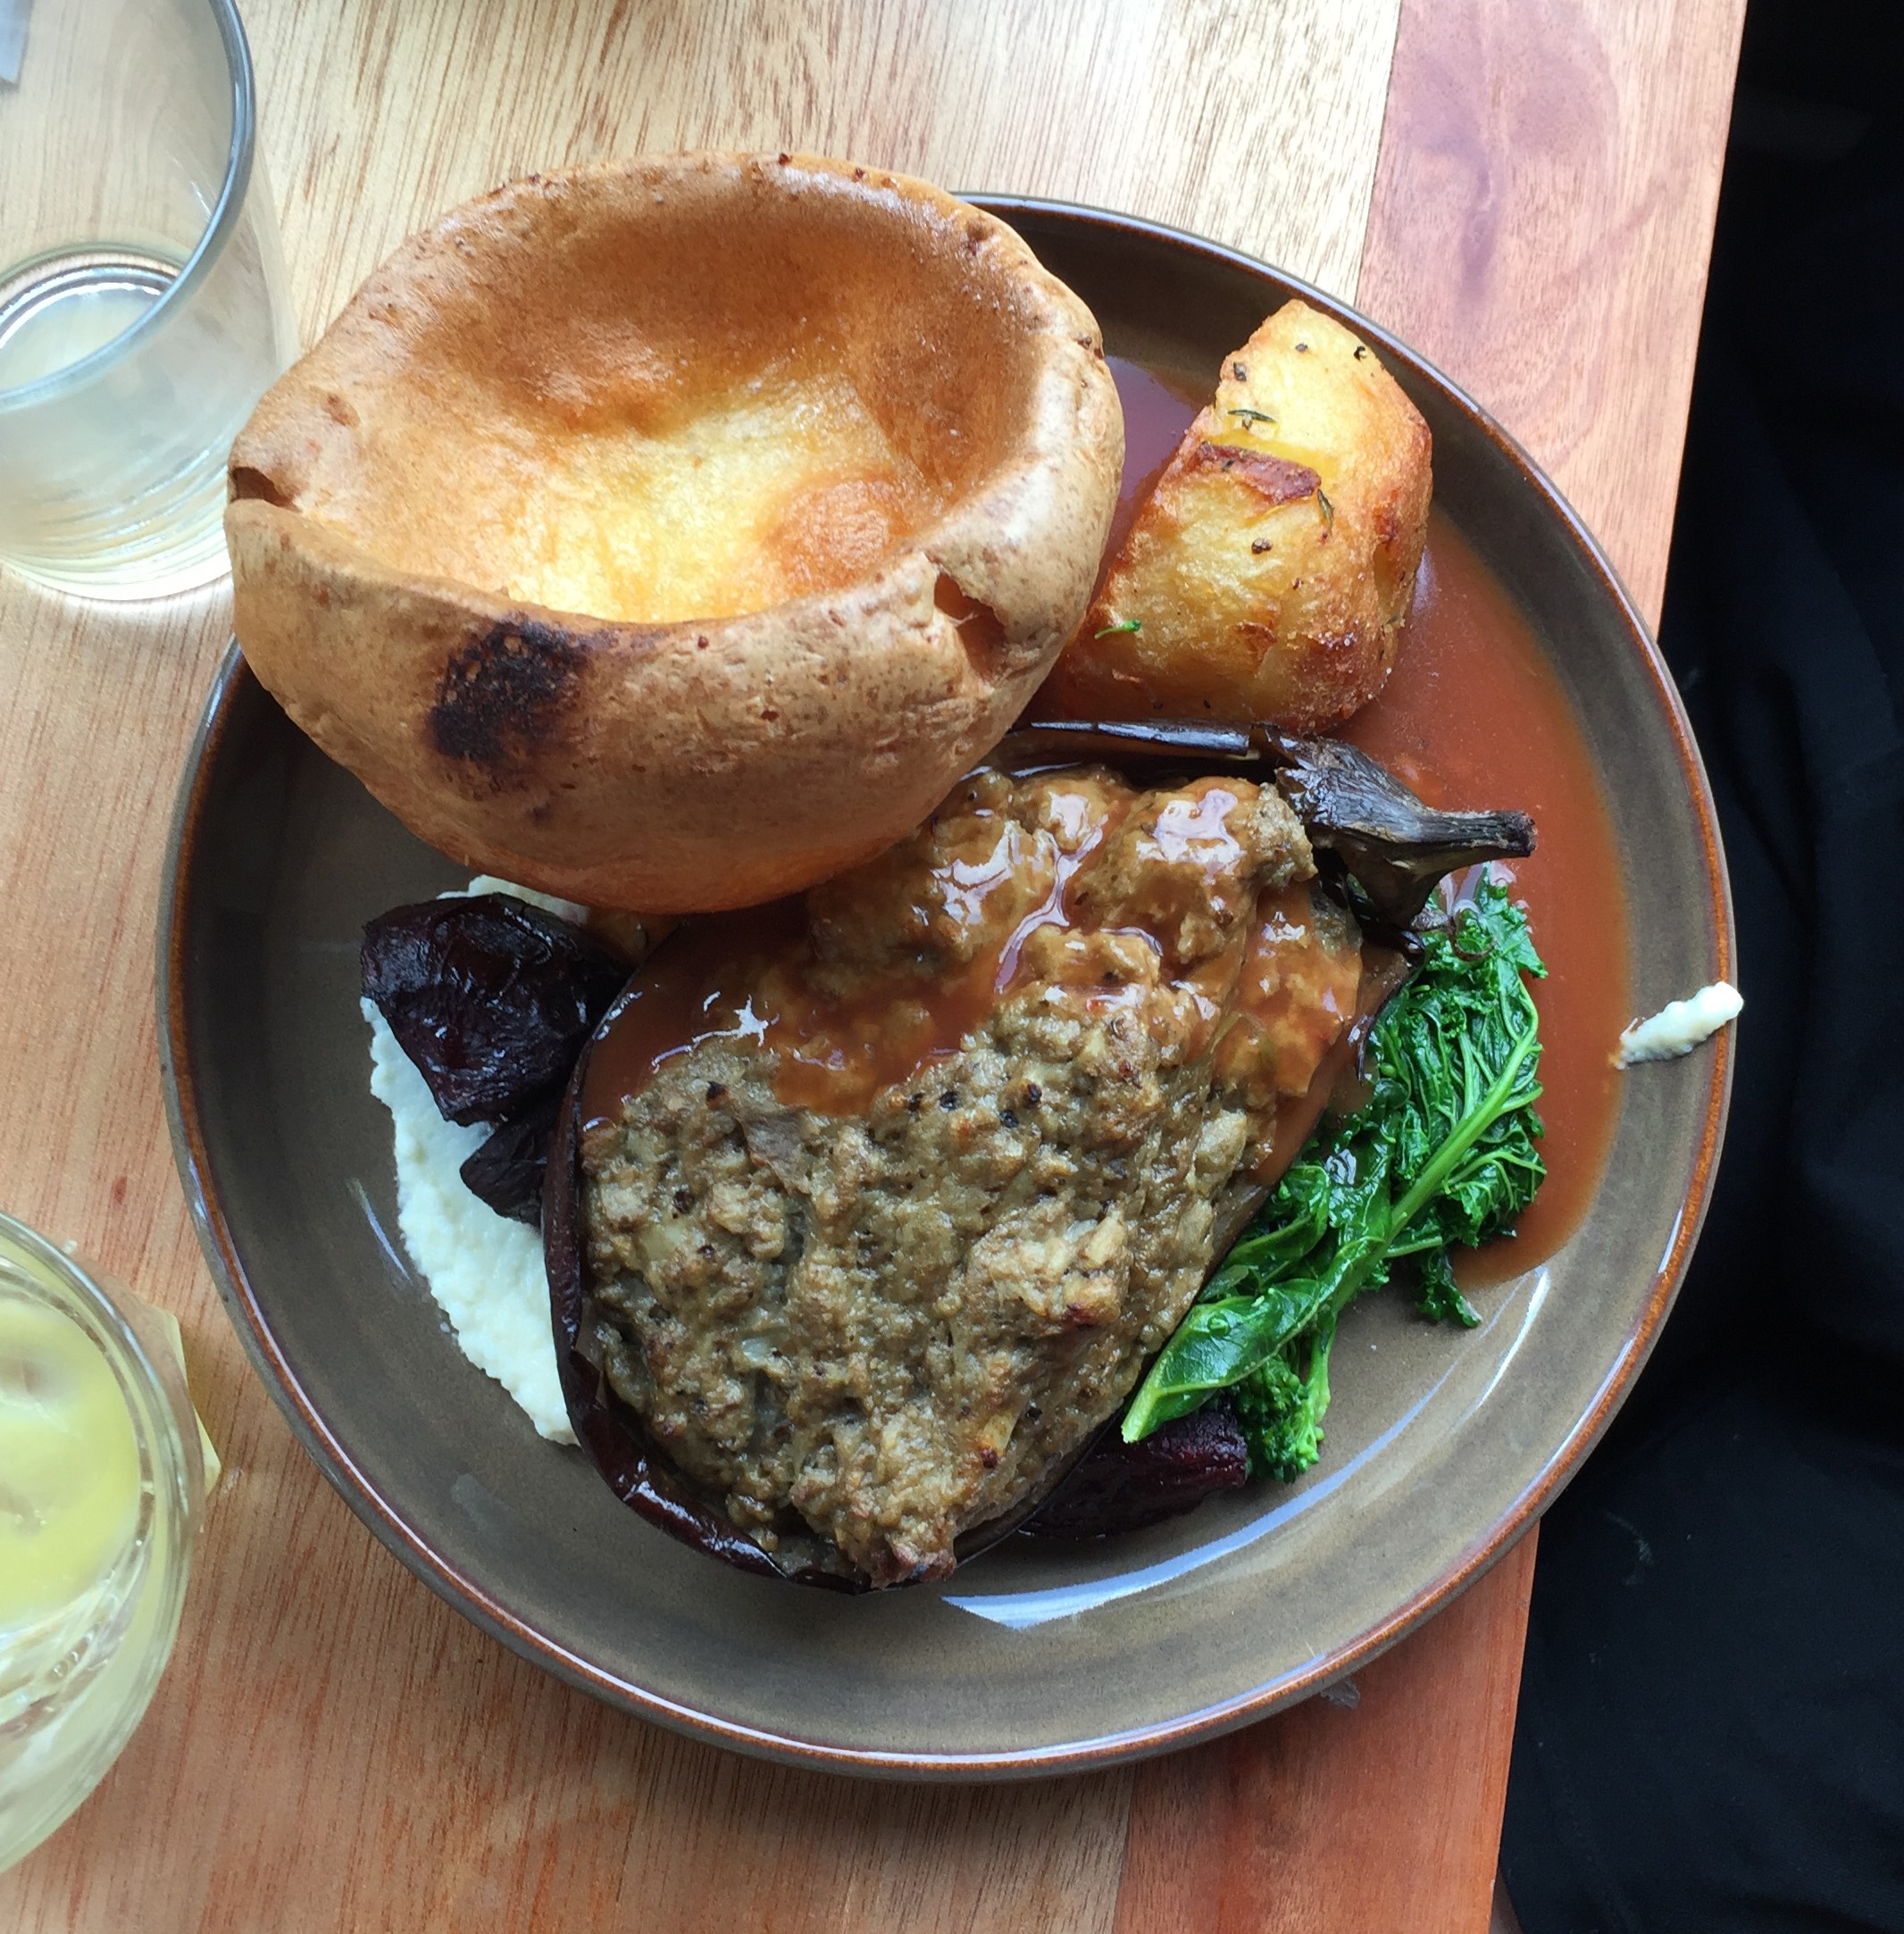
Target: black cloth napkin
(1711, 1727)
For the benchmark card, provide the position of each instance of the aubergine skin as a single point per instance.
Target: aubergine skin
(1395, 848)
(1110, 1488)
(508, 1171)
(492, 999)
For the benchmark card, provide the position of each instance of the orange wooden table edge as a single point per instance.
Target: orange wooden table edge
(1387, 1815)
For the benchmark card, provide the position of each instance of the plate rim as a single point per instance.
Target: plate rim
(467, 1595)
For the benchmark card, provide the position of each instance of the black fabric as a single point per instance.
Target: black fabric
(1709, 1715)
(1711, 1730)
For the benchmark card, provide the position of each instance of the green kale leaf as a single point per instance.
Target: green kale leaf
(1442, 1153)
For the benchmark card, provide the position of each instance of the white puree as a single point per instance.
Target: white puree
(484, 1270)
(1680, 1026)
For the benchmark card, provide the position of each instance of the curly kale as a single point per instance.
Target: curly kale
(1441, 1154)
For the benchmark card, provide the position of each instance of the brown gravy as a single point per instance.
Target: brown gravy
(1472, 717)
(1156, 415)
(863, 985)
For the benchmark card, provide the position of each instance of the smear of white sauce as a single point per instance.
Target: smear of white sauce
(1680, 1026)
(572, 910)
(484, 1270)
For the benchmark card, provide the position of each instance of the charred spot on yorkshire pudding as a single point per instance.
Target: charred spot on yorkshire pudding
(670, 535)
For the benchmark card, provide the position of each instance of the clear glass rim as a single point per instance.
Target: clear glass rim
(225, 213)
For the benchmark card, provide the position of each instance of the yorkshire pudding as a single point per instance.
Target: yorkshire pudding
(671, 535)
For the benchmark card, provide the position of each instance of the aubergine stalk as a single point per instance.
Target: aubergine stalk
(1396, 847)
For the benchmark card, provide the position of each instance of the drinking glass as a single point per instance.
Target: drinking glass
(101, 1492)
(142, 298)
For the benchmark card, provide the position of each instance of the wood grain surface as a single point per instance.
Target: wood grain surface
(1541, 221)
(333, 1749)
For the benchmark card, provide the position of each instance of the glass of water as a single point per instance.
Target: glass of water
(142, 298)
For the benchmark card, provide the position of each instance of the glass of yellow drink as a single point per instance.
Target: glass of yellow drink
(102, 1488)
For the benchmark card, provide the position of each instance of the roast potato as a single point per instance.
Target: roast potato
(1269, 573)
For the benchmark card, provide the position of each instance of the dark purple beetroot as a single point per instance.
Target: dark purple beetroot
(492, 999)
(508, 1171)
(1123, 1486)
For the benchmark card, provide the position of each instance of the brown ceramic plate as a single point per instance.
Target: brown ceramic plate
(1442, 1446)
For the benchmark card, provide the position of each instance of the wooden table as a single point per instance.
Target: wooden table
(1522, 188)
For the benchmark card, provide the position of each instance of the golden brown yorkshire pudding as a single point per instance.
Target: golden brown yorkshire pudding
(671, 535)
